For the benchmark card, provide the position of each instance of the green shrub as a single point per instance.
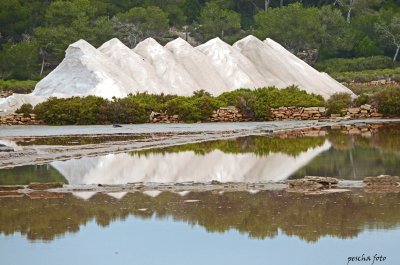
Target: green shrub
(388, 101)
(368, 75)
(259, 102)
(361, 100)
(356, 64)
(199, 107)
(21, 87)
(25, 109)
(337, 102)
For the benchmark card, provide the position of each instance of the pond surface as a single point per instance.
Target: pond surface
(268, 227)
(328, 152)
(210, 227)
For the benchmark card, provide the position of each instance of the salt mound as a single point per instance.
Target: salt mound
(257, 52)
(198, 65)
(178, 68)
(286, 69)
(235, 69)
(134, 65)
(15, 101)
(178, 80)
(185, 166)
(86, 71)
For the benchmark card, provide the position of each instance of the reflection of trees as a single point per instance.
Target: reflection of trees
(356, 157)
(259, 145)
(258, 215)
(26, 174)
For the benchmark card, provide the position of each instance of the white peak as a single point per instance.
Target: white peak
(178, 42)
(148, 42)
(82, 45)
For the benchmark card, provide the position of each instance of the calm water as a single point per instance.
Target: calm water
(269, 227)
(248, 159)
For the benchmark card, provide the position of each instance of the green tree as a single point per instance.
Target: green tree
(391, 33)
(279, 24)
(216, 21)
(19, 60)
(14, 18)
(191, 9)
(151, 21)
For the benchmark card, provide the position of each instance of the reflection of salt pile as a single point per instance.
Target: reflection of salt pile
(184, 166)
(177, 68)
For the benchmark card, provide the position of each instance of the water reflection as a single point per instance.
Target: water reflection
(261, 215)
(247, 159)
(185, 166)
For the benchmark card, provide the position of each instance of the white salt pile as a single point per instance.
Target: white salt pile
(134, 65)
(235, 69)
(198, 65)
(179, 81)
(177, 68)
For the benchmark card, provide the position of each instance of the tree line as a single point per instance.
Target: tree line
(34, 34)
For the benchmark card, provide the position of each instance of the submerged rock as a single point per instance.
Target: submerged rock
(313, 185)
(45, 186)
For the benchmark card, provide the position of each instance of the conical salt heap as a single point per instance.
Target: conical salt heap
(177, 68)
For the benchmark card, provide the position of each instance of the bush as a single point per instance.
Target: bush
(21, 87)
(25, 109)
(361, 100)
(356, 64)
(388, 101)
(199, 107)
(337, 102)
(368, 75)
(259, 102)
(193, 109)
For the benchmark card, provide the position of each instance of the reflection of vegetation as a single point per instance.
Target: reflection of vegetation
(259, 145)
(259, 215)
(24, 175)
(78, 140)
(356, 157)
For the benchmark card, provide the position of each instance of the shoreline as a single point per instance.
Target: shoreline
(151, 136)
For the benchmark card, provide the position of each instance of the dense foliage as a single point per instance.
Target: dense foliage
(358, 64)
(388, 101)
(22, 87)
(337, 102)
(34, 34)
(137, 108)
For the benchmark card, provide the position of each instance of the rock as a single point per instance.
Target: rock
(365, 107)
(322, 180)
(385, 180)
(376, 115)
(5, 148)
(11, 187)
(353, 110)
(44, 186)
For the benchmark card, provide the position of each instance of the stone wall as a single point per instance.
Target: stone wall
(294, 113)
(225, 114)
(382, 82)
(362, 112)
(317, 113)
(163, 117)
(19, 119)
(228, 114)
